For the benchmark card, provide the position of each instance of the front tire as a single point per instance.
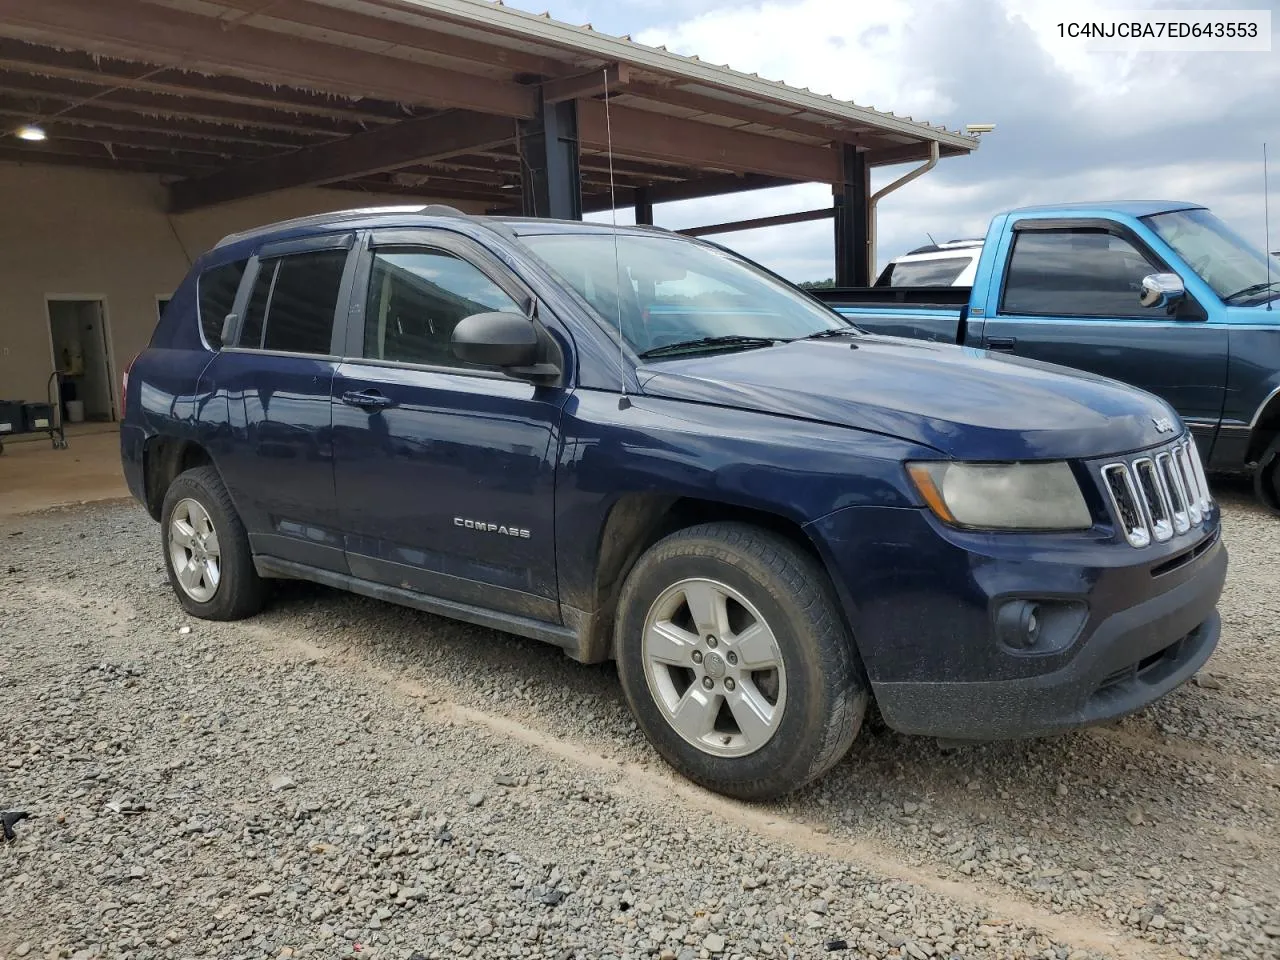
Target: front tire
(735, 660)
(1266, 481)
(206, 549)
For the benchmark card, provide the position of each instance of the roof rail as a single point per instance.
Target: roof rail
(442, 210)
(314, 219)
(338, 216)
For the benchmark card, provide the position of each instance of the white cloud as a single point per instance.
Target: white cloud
(1072, 125)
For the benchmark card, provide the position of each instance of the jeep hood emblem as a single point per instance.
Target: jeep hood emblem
(1163, 424)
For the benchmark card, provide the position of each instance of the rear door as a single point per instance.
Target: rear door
(445, 471)
(1070, 296)
(267, 418)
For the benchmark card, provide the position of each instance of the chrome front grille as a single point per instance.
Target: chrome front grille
(1158, 495)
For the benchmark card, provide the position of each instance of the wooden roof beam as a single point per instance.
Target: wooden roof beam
(908, 152)
(96, 156)
(67, 94)
(594, 83)
(806, 216)
(647, 135)
(127, 122)
(387, 148)
(713, 186)
(714, 106)
(397, 33)
(166, 140)
(170, 37)
(74, 65)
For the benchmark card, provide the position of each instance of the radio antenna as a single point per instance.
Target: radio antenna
(1266, 220)
(623, 401)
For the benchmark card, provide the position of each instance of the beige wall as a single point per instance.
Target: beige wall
(67, 232)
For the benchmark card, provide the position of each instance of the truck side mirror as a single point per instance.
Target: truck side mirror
(1162, 290)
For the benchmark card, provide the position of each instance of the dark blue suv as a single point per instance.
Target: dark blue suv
(641, 447)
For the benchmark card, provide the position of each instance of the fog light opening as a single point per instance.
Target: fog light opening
(1018, 624)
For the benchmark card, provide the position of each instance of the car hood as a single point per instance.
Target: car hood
(964, 402)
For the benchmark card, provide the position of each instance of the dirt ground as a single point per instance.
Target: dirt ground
(35, 476)
(341, 777)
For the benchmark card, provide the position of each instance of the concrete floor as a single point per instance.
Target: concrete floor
(34, 476)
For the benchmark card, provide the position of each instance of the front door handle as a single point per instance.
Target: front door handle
(367, 399)
(1002, 344)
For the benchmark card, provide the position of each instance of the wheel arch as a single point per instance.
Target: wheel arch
(639, 520)
(1264, 428)
(163, 460)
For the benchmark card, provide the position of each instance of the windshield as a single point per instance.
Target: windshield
(1223, 259)
(674, 290)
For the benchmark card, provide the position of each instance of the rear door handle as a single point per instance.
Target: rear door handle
(367, 399)
(1002, 344)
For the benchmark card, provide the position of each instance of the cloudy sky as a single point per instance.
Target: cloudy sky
(1071, 125)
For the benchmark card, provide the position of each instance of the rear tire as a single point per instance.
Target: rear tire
(760, 690)
(206, 549)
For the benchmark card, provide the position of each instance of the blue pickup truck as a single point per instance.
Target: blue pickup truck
(1161, 295)
(639, 447)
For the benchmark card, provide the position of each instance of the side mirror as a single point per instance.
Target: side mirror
(496, 340)
(1162, 290)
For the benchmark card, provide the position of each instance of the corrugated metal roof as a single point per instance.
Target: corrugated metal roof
(551, 37)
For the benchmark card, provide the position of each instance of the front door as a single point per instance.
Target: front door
(1071, 296)
(445, 471)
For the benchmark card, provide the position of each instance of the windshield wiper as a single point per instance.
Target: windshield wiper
(1251, 290)
(849, 331)
(701, 343)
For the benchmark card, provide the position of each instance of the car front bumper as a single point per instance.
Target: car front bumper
(1145, 622)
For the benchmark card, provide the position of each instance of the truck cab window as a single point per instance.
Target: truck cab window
(1077, 273)
(291, 308)
(416, 298)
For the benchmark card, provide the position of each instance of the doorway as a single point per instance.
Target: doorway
(82, 357)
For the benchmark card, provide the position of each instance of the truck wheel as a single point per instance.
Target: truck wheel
(206, 549)
(1266, 479)
(735, 660)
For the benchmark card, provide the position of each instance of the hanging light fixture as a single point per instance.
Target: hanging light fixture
(32, 132)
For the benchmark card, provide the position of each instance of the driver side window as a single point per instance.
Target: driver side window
(1076, 273)
(417, 295)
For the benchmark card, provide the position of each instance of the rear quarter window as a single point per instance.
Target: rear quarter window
(928, 273)
(217, 297)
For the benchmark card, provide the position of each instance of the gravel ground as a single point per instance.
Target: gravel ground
(339, 777)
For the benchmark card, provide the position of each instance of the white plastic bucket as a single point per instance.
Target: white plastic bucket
(75, 411)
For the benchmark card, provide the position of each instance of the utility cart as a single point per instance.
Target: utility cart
(38, 416)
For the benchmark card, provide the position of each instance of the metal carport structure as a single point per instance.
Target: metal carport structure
(455, 100)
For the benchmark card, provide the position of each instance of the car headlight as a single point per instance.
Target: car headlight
(1003, 496)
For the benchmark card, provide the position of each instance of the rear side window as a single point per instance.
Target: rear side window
(927, 273)
(217, 289)
(293, 302)
(1077, 273)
